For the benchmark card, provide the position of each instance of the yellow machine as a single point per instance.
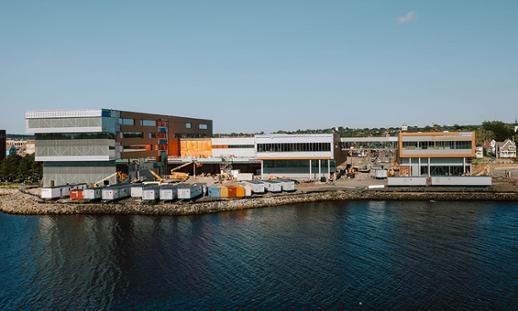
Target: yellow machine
(180, 175)
(120, 178)
(156, 176)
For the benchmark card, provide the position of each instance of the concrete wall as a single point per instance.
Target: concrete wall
(76, 172)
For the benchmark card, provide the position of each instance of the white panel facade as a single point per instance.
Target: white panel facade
(74, 113)
(295, 139)
(247, 150)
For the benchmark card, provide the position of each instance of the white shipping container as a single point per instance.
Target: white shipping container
(137, 190)
(168, 192)
(187, 192)
(287, 185)
(479, 181)
(256, 186)
(50, 193)
(406, 181)
(150, 193)
(248, 189)
(92, 193)
(273, 186)
(116, 192)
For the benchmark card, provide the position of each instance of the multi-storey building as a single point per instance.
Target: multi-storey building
(309, 156)
(88, 145)
(436, 154)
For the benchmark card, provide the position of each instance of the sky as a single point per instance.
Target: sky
(264, 65)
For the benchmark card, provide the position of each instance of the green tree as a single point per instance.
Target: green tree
(500, 131)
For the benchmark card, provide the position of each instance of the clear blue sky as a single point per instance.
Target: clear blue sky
(264, 65)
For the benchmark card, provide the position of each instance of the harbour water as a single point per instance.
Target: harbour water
(335, 255)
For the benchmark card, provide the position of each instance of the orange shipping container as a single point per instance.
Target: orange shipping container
(240, 192)
(232, 191)
(76, 195)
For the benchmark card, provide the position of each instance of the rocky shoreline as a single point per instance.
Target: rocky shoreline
(22, 203)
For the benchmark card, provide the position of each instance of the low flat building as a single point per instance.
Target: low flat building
(436, 154)
(87, 145)
(309, 156)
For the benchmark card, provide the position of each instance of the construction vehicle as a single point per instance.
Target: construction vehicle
(120, 178)
(156, 176)
(179, 175)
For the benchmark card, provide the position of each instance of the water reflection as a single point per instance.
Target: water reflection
(395, 254)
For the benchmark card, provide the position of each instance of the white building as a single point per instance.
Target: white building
(234, 147)
(506, 149)
(479, 152)
(298, 156)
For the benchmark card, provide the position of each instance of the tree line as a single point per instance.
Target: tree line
(15, 168)
(486, 131)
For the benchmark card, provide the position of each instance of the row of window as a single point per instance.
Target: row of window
(294, 147)
(188, 125)
(70, 136)
(233, 146)
(423, 145)
(201, 126)
(126, 121)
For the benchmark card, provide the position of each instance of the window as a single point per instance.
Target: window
(203, 126)
(294, 147)
(410, 144)
(148, 122)
(188, 125)
(132, 134)
(152, 135)
(127, 122)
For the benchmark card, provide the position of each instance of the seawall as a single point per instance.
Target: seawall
(24, 204)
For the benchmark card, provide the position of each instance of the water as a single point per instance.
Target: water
(343, 255)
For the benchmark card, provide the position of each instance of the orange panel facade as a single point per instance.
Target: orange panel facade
(196, 148)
